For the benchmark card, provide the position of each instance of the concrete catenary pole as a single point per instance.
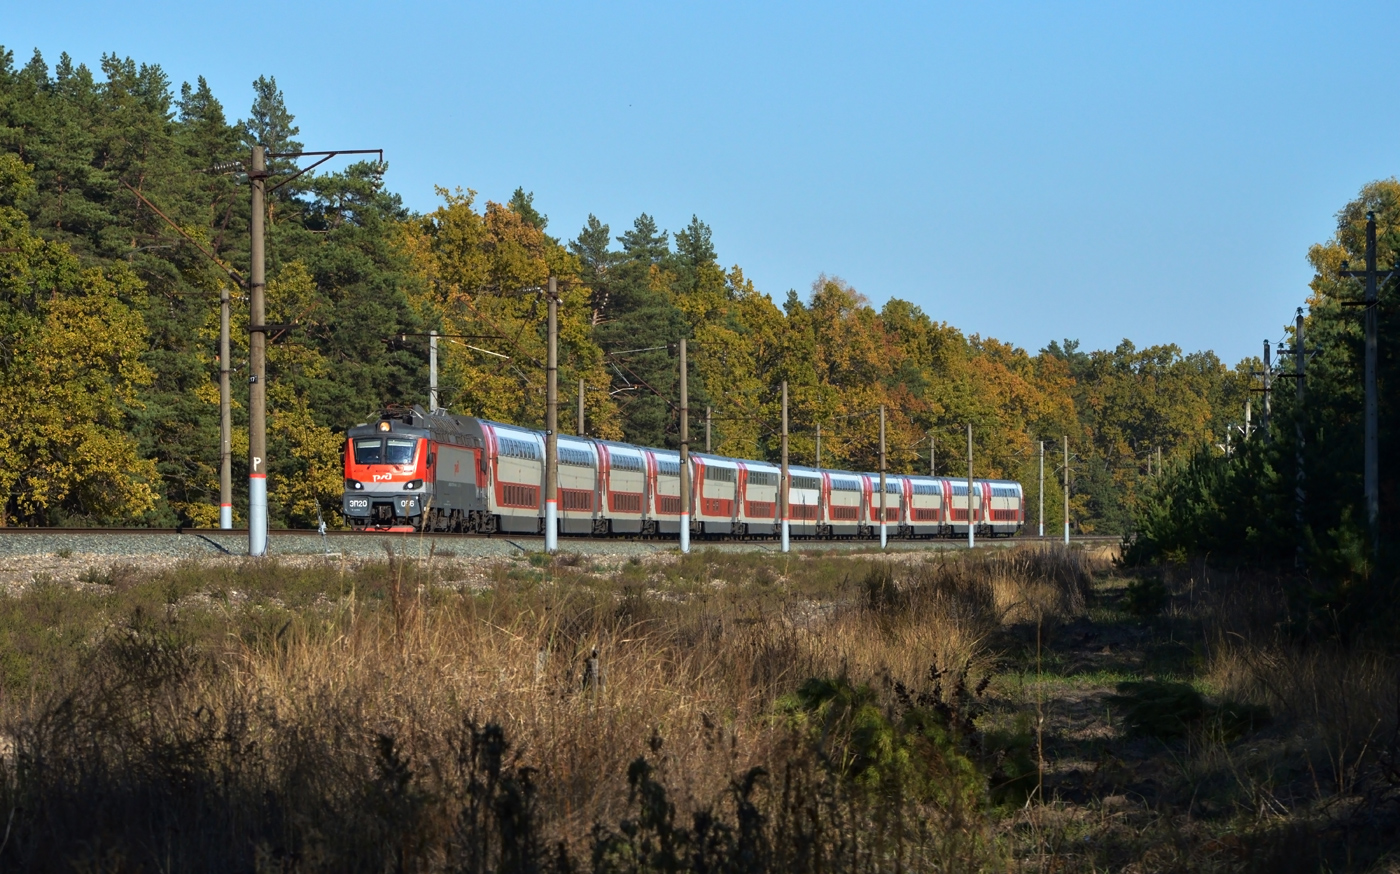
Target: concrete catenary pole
(225, 417)
(884, 515)
(685, 455)
(432, 371)
(819, 446)
(1040, 513)
(551, 426)
(1248, 428)
(1066, 490)
(580, 419)
(971, 516)
(932, 456)
(708, 413)
(257, 362)
(784, 484)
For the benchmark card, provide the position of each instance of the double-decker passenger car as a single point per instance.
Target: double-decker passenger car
(439, 472)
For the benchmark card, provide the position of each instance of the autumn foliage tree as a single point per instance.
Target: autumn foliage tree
(70, 373)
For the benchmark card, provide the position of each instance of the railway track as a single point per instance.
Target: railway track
(38, 546)
(563, 540)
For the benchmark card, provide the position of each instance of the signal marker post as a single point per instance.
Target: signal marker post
(784, 484)
(685, 456)
(884, 534)
(551, 427)
(257, 362)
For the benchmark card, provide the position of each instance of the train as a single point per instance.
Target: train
(443, 473)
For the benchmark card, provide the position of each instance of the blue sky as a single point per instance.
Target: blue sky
(1024, 171)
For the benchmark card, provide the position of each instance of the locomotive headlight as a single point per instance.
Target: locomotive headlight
(353, 485)
(413, 484)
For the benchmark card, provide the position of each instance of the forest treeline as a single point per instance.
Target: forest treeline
(109, 326)
(1296, 499)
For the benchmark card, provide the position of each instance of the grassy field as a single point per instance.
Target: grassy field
(1026, 709)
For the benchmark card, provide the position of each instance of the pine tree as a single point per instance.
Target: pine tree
(523, 203)
(644, 243)
(693, 246)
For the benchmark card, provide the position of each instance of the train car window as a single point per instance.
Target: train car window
(574, 456)
(668, 467)
(632, 463)
(891, 486)
(719, 474)
(519, 449)
(369, 450)
(925, 489)
(762, 478)
(400, 450)
(844, 484)
(806, 482)
(960, 489)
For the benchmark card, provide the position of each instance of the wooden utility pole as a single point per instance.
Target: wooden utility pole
(551, 425)
(1066, 490)
(1372, 471)
(1371, 474)
(1300, 358)
(1299, 352)
(685, 455)
(1268, 377)
(785, 535)
(884, 515)
(432, 371)
(971, 520)
(225, 417)
(257, 362)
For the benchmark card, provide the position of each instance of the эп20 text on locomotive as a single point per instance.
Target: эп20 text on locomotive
(439, 472)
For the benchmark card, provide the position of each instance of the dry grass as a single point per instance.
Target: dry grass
(708, 712)
(186, 727)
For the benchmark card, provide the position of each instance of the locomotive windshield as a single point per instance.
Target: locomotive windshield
(369, 450)
(400, 450)
(394, 450)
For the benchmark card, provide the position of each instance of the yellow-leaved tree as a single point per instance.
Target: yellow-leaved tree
(70, 367)
(479, 275)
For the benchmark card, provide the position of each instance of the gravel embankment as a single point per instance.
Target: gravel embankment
(71, 556)
(211, 544)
